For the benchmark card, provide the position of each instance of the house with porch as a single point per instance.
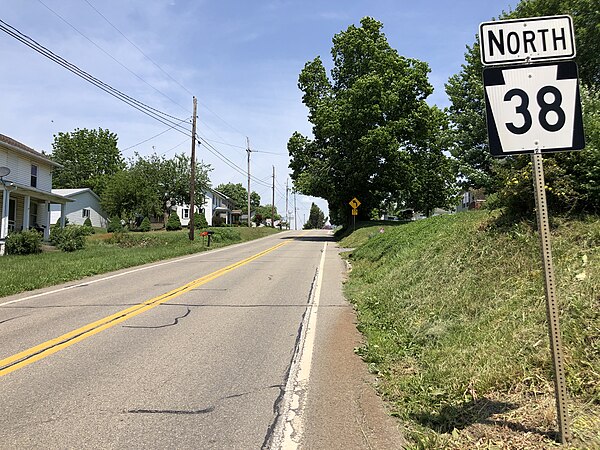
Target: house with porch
(26, 186)
(216, 207)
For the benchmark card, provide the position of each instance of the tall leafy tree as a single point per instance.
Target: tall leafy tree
(239, 194)
(89, 158)
(364, 117)
(151, 185)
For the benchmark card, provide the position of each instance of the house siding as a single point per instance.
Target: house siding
(20, 170)
(73, 210)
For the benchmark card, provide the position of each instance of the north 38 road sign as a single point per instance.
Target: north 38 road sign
(533, 107)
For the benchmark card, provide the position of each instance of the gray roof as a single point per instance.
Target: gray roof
(73, 192)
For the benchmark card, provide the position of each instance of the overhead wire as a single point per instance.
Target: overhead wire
(164, 71)
(113, 58)
(150, 138)
(154, 113)
(233, 165)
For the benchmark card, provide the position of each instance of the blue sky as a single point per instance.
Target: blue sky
(240, 58)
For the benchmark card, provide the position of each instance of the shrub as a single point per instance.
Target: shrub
(145, 225)
(173, 223)
(200, 221)
(87, 222)
(218, 221)
(24, 243)
(226, 235)
(114, 224)
(69, 238)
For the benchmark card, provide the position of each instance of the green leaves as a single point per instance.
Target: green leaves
(364, 120)
(88, 157)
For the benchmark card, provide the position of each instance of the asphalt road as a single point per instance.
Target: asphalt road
(197, 352)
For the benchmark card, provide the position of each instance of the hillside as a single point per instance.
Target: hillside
(454, 317)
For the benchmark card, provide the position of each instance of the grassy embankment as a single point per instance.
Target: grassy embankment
(454, 317)
(107, 252)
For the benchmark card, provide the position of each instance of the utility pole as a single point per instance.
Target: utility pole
(287, 211)
(193, 174)
(273, 204)
(295, 212)
(248, 151)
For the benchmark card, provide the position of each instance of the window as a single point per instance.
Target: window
(185, 213)
(34, 175)
(85, 213)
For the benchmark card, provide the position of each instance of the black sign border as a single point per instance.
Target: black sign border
(492, 76)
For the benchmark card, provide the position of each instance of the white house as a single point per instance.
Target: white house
(85, 204)
(217, 206)
(26, 186)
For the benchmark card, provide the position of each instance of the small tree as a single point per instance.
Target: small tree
(145, 225)
(114, 225)
(174, 223)
(200, 221)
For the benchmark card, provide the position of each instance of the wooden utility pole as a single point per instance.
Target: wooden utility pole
(287, 211)
(248, 150)
(295, 212)
(193, 174)
(273, 204)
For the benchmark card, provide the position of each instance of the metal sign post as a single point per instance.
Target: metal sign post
(552, 309)
(355, 203)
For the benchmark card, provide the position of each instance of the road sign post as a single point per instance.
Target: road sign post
(355, 204)
(535, 108)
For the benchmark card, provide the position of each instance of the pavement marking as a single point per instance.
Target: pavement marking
(289, 431)
(139, 269)
(33, 354)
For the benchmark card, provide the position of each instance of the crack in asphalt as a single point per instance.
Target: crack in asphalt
(13, 318)
(202, 410)
(172, 411)
(175, 322)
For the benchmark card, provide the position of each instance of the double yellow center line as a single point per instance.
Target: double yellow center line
(47, 348)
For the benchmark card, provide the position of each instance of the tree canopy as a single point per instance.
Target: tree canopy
(89, 158)
(369, 119)
(151, 185)
(571, 176)
(239, 194)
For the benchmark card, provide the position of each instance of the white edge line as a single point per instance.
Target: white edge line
(139, 269)
(291, 428)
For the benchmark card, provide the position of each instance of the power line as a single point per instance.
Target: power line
(154, 113)
(112, 57)
(229, 162)
(150, 138)
(138, 49)
(162, 70)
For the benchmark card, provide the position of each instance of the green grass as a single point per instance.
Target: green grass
(108, 252)
(455, 322)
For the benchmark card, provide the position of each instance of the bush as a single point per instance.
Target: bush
(200, 221)
(70, 238)
(226, 235)
(24, 243)
(145, 225)
(114, 224)
(218, 221)
(173, 223)
(87, 222)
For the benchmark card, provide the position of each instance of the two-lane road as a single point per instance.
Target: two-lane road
(202, 351)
